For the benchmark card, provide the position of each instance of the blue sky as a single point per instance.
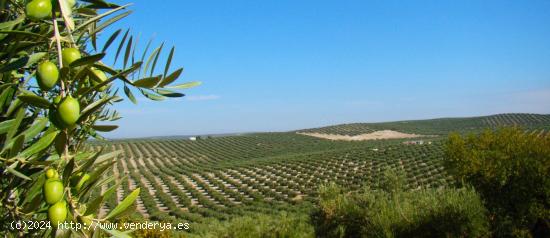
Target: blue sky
(284, 65)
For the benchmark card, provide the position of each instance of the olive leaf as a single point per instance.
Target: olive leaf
(40, 145)
(31, 132)
(34, 100)
(100, 4)
(129, 94)
(88, 60)
(104, 128)
(171, 78)
(152, 57)
(122, 206)
(169, 61)
(117, 233)
(16, 145)
(33, 200)
(66, 13)
(88, 110)
(11, 24)
(13, 130)
(68, 171)
(148, 82)
(127, 53)
(15, 64)
(109, 22)
(17, 173)
(168, 93)
(93, 179)
(90, 161)
(34, 58)
(185, 85)
(110, 40)
(6, 125)
(152, 96)
(121, 44)
(35, 129)
(94, 205)
(108, 156)
(99, 17)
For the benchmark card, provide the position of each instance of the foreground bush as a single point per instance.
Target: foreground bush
(510, 168)
(259, 225)
(393, 212)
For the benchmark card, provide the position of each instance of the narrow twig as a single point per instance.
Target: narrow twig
(69, 32)
(57, 37)
(62, 83)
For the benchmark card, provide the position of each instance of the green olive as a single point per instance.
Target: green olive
(57, 99)
(68, 111)
(52, 173)
(47, 75)
(101, 76)
(53, 190)
(57, 213)
(39, 9)
(86, 220)
(70, 55)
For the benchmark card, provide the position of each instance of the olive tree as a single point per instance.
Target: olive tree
(55, 93)
(510, 168)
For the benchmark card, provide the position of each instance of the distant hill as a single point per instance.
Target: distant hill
(440, 126)
(174, 137)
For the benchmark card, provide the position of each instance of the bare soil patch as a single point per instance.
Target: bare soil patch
(377, 135)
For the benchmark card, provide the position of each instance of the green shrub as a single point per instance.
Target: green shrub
(430, 213)
(394, 212)
(259, 225)
(510, 168)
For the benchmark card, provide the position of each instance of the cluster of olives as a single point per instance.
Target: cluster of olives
(48, 73)
(53, 194)
(64, 112)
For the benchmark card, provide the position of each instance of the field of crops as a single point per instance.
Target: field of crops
(222, 177)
